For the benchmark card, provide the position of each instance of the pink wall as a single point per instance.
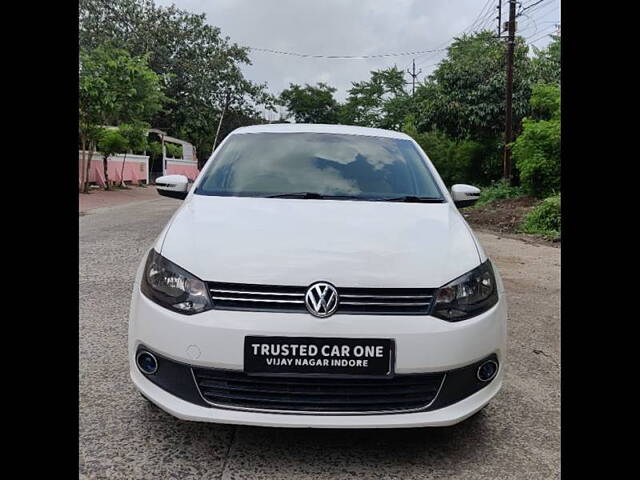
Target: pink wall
(134, 172)
(189, 171)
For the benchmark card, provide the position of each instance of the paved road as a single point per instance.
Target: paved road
(121, 436)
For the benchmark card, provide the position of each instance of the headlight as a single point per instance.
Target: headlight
(167, 284)
(466, 296)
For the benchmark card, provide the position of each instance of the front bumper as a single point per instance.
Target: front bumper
(437, 418)
(215, 339)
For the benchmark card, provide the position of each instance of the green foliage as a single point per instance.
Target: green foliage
(381, 102)
(545, 102)
(499, 190)
(116, 87)
(133, 51)
(310, 104)
(199, 67)
(155, 149)
(537, 150)
(457, 161)
(173, 150)
(111, 143)
(409, 127)
(135, 134)
(545, 218)
(546, 63)
(464, 96)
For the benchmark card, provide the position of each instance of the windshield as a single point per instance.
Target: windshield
(318, 165)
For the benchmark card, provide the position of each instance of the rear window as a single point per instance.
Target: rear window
(354, 166)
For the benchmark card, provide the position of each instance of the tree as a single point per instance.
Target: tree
(457, 161)
(198, 66)
(114, 88)
(89, 134)
(380, 102)
(537, 150)
(111, 143)
(173, 151)
(135, 134)
(465, 95)
(546, 62)
(310, 104)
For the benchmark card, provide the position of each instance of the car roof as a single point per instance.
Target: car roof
(319, 128)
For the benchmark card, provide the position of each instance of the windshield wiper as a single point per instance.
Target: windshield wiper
(296, 195)
(411, 199)
(321, 196)
(312, 195)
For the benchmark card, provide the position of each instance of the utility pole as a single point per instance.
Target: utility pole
(508, 128)
(413, 77)
(227, 100)
(499, 7)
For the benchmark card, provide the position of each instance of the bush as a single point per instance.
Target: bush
(544, 219)
(537, 150)
(499, 190)
(537, 156)
(463, 161)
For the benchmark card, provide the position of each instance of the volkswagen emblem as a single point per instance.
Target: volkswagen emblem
(321, 299)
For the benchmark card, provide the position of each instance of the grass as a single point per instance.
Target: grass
(499, 190)
(544, 219)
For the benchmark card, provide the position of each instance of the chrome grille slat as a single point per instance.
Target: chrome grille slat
(263, 300)
(353, 300)
(385, 296)
(397, 304)
(247, 292)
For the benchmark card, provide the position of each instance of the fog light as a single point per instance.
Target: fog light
(487, 370)
(147, 363)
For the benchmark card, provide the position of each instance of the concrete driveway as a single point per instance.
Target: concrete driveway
(121, 436)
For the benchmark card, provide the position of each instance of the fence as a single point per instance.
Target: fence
(136, 168)
(176, 166)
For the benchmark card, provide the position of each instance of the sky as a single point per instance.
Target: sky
(356, 28)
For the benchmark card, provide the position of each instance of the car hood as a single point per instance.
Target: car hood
(297, 242)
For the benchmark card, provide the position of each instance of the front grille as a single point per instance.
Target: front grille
(279, 298)
(227, 388)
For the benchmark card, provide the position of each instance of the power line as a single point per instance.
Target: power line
(548, 32)
(468, 29)
(343, 57)
(540, 12)
(532, 22)
(528, 7)
(548, 28)
(480, 15)
(542, 7)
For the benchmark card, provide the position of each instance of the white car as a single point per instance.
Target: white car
(318, 276)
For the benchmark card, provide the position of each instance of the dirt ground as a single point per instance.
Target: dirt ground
(99, 198)
(504, 217)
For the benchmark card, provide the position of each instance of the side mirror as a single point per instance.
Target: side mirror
(464, 195)
(174, 186)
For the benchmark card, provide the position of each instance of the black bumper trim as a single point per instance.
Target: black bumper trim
(177, 379)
